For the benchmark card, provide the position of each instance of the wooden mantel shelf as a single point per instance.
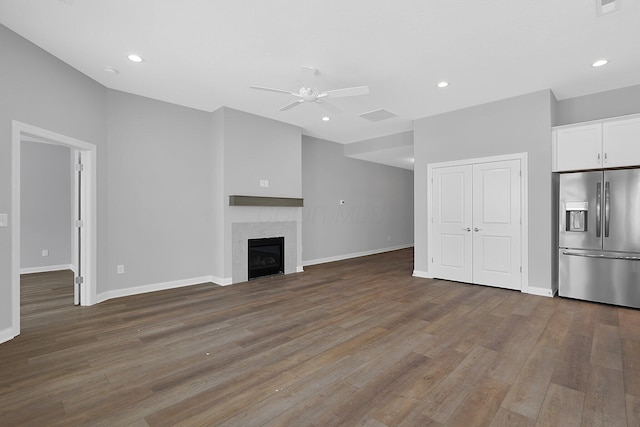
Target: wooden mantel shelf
(291, 202)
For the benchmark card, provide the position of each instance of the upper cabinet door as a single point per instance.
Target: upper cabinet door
(578, 148)
(621, 143)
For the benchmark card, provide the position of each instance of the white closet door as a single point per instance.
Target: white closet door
(452, 221)
(496, 224)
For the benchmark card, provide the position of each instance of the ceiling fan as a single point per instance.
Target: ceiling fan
(309, 94)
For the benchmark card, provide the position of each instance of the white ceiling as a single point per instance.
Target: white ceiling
(204, 53)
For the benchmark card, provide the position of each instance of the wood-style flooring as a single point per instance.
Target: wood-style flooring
(355, 343)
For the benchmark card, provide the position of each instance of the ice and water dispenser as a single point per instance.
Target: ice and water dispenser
(576, 216)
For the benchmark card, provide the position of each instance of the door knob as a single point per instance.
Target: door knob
(477, 229)
(466, 229)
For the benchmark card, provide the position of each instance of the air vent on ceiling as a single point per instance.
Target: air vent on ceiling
(378, 115)
(607, 6)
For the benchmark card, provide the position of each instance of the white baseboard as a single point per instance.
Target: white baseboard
(299, 269)
(221, 281)
(7, 335)
(118, 293)
(46, 268)
(543, 292)
(354, 255)
(422, 274)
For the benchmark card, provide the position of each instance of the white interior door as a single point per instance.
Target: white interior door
(496, 224)
(452, 222)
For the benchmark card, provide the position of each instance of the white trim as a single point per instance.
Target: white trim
(118, 293)
(221, 281)
(18, 131)
(422, 274)
(300, 269)
(7, 334)
(46, 268)
(543, 292)
(524, 207)
(354, 255)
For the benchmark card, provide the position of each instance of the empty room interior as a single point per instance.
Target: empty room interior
(297, 213)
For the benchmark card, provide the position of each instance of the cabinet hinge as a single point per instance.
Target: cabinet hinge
(79, 167)
(79, 280)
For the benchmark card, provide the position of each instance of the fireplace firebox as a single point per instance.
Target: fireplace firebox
(266, 257)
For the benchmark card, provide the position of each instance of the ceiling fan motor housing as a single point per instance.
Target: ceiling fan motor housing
(309, 94)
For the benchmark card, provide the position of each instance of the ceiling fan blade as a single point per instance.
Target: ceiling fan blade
(329, 107)
(268, 89)
(348, 91)
(291, 105)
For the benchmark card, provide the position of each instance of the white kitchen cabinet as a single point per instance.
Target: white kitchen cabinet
(621, 142)
(601, 144)
(578, 147)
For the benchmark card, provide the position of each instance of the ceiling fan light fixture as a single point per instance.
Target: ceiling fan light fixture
(442, 84)
(135, 58)
(600, 63)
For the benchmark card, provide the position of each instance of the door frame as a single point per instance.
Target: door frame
(20, 131)
(524, 205)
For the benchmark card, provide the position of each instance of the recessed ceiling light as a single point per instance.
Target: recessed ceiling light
(111, 70)
(599, 63)
(135, 58)
(326, 119)
(443, 84)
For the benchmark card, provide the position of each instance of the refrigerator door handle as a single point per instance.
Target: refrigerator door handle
(605, 256)
(606, 209)
(598, 209)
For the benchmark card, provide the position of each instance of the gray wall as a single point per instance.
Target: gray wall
(218, 201)
(257, 148)
(514, 125)
(160, 189)
(378, 209)
(45, 205)
(602, 105)
(41, 90)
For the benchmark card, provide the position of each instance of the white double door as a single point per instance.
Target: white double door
(476, 223)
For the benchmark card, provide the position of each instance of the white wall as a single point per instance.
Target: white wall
(514, 125)
(45, 198)
(378, 209)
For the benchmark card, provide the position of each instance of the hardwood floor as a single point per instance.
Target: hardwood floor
(357, 342)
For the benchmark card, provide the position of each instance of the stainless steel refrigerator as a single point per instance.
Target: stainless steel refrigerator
(599, 240)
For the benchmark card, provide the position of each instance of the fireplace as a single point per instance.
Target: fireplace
(266, 257)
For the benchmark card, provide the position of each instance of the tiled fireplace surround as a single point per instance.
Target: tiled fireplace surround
(241, 232)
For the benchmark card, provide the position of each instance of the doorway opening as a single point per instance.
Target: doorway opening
(83, 239)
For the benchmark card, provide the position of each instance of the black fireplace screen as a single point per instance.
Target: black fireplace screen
(266, 257)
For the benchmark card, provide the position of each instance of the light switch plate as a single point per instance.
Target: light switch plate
(4, 220)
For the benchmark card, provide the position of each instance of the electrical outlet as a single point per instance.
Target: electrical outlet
(262, 183)
(45, 252)
(120, 269)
